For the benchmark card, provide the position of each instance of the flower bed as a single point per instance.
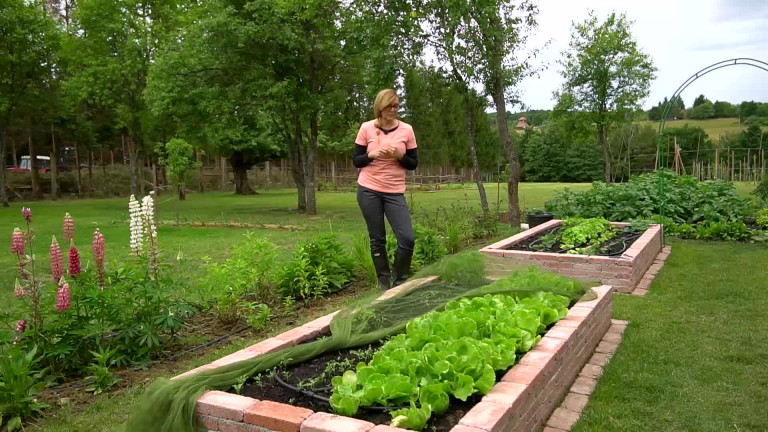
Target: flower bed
(622, 272)
(522, 399)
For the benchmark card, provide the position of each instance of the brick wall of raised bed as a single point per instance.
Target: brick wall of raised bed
(521, 401)
(623, 273)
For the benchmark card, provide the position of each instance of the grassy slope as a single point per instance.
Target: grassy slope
(713, 127)
(694, 357)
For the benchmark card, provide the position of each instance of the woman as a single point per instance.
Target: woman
(384, 148)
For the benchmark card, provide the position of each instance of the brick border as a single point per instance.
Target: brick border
(523, 399)
(624, 273)
(569, 412)
(645, 283)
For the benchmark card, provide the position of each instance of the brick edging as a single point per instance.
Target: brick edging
(624, 272)
(644, 285)
(538, 380)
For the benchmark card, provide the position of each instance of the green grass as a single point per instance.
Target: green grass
(713, 127)
(695, 354)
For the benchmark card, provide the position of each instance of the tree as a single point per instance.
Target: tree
(28, 39)
(606, 75)
(178, 156)
(702, 111)
(724, 109)
(747, 109)
(700, 100)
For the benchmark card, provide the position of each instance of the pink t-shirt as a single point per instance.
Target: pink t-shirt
(384, 175)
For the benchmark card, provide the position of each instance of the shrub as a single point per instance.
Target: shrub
(248, 274)
(687, 200)
(428, 249)
(319, 266)
(762, 192)
(762, 218)
(20, 383)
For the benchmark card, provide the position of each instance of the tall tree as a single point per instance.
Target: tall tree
(28, 38)
(500, 34)
(606, 75)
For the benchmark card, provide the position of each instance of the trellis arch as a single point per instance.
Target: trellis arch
(740, 61)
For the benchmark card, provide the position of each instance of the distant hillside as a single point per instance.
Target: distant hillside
(713, 127)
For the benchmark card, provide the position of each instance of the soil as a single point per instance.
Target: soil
(266, 387)
(614, 247)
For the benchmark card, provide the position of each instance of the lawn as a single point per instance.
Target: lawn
(713, 127)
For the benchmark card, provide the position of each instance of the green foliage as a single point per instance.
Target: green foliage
(247, 275)
(428, 249)
(723, 230)
(466, 267)
(686, 200)
(21, 380)
(361, 252)
(319, 266)
(178, 156)
(762, 218)
(702, 111)
(101, 377)
(585, 236)
(454, 352)
(761, 191)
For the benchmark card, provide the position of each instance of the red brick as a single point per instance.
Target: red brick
(551, 429)
(488, 416)
(324, 422)
(612, 337)
(578, 311)
(538, 358)
(194, 371)
(508, 393)
(550, 344)
(558, 265)
(606, 347)
(263, 347)
(592, 267)
(640, 292)
(561, 332)
(231, 426)
(461, 428)
(563, 419)
(523, 374)
(584, 385)
(210, 423)
(224, 405)
(575, 402)
(385, 428)
(276, 416)
(300, 334)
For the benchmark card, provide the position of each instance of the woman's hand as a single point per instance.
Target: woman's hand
(396, 152)
(379, 153)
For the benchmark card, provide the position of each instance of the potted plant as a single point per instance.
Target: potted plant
(537, 216)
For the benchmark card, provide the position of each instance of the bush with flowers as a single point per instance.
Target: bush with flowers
(69, 318)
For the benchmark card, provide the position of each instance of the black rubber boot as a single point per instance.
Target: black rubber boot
(401, 270)
(381, 264)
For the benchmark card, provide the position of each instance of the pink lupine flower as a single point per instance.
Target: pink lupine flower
(18, 290)
(27, 213)
(17, 242)
(57, 264)
(98, 247)
(69, 227)
(21, 326)
(62, 297)
(74, 261)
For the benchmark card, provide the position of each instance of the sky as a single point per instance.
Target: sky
(681, 36)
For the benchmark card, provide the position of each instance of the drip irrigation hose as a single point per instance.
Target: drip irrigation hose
(623, 240)
(313, 395)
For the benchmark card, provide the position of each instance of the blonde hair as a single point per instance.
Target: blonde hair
(384, 99)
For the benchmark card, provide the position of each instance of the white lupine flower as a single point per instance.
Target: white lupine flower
(137, 226)
(148, 213)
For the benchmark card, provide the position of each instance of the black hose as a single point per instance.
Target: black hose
(322, 398)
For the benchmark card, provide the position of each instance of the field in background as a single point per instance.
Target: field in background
(713, 127)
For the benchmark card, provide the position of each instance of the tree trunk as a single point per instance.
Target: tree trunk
(240, 170)
(3, 138)
(37, 192)
(510, 152)
(473, 152)
(77, 166)
(309, 165)
(54, 167)
(297, 164)
(223, 179)
(90, 173)
(603, 140)
(200, 185)
(182, 192)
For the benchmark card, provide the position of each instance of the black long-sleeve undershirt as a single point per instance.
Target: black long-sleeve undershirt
(360, 159)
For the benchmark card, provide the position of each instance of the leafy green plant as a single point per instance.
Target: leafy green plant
(101, 376)
(319, 266)
(248, 274)
(20, 383)
(428, 248)
(686, 200)
(762, 218)
(362, 253)
(257, 315)
(454, 352)
(585, 236)
(761, 191)
(723, 231)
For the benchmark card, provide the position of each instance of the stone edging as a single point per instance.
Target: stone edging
(645, 284)
(522, 400)
(568, 413)
(624, 272)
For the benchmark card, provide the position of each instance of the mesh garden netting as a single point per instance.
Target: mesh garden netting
(169, 406)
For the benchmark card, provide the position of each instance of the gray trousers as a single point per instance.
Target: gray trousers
(375, 205)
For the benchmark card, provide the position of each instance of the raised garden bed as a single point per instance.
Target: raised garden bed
(622, 271)
(522, 398)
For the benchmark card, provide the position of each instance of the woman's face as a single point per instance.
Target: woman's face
(390, 112)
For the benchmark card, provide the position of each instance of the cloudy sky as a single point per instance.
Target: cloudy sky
(682, 37)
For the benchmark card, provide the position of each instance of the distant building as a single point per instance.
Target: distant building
(522, 124)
